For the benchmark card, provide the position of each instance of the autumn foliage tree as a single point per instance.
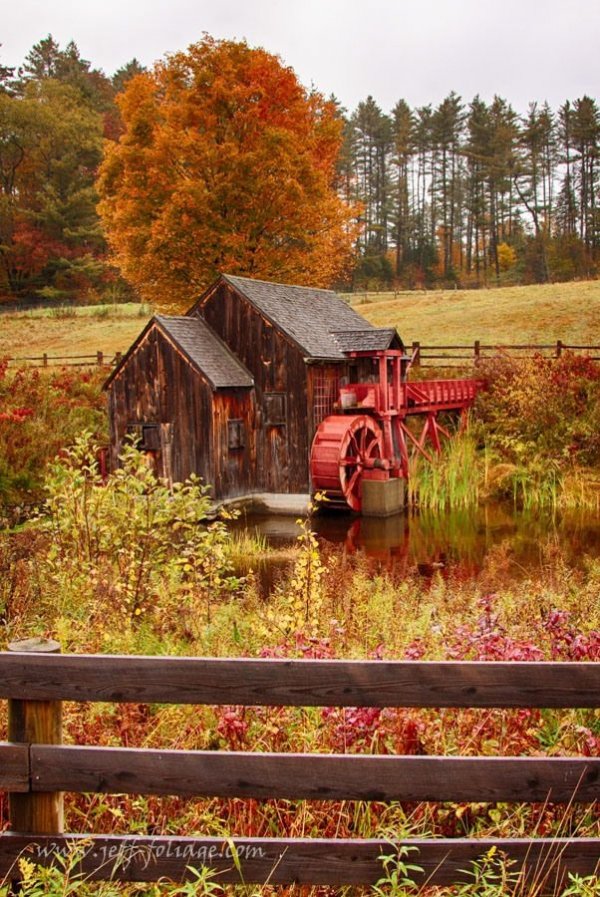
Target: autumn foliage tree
(226, 163)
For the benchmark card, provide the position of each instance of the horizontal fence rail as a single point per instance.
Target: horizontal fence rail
(35, 768)
(298, 683)
(14, 767)
(472, 353)
(423, 354)
(97, 359)
(313, 776)
(304, 861)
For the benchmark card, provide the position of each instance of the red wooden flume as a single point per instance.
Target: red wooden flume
(370, 436)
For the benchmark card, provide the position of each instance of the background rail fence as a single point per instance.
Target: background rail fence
(472, 353)
(425, 355)
(97, 359)
(35, 767)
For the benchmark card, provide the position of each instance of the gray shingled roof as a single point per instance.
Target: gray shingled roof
(205, 351)
(371, 340)
(308, 315)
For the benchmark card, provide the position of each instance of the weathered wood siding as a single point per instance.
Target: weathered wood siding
(157, 385)
(278, 367)
(234, 467)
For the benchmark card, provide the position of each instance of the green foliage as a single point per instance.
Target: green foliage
(582, 886)
(64, 879)
(450, 480)
(49, 229)
(373, 272)
(130, 533)
(492, 877)
(126, 72)
(60, 880)
(53, 118)
(47, 61)
(398, 880)
(534, 439)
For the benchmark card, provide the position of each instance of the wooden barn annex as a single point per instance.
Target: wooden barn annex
(235, 390)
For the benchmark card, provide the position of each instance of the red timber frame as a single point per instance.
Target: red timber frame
(395, 401)
(368, 436)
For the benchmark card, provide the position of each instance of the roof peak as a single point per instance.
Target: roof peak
(306, 316)
(279, 283)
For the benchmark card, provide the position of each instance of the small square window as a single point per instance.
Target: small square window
(236, 435)
(145, 437)
(150, 438)
(274, 408)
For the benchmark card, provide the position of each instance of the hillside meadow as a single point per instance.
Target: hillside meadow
(72, 330)
(530, 314)
(503, 316)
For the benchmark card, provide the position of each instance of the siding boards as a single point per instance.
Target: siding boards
(277, 365)
(157, 385)
(234, 467)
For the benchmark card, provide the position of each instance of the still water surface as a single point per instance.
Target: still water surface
(461, 542)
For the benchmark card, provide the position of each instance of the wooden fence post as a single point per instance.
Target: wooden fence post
(45, 360)
(416, 352)
(477, 350)
(36, 722)
(99, 358)
(559, 347)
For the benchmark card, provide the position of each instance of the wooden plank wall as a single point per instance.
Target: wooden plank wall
(277, 367)
(234, 469)
(158, 385)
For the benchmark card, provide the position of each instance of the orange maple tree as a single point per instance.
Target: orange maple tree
(226, 163)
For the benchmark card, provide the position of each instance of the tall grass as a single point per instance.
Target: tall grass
(450, 481)
(549, 488)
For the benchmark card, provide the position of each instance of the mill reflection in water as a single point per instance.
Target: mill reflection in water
(457, 543)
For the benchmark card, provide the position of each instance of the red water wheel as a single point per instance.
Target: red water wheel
(343, 447)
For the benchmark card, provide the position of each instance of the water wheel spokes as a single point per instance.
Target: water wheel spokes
(343, 447)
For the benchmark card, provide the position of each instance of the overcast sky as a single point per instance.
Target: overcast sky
(419, 50)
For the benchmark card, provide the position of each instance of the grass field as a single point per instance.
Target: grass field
(532, 314)
(73, 331)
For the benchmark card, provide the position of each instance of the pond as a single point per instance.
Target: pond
(458, 543)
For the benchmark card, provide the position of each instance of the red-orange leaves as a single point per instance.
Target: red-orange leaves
(226, 163)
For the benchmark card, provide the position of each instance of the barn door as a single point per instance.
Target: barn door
(276, 442)
(278, 477)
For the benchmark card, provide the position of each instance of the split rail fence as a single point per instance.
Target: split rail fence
(473, 353)
(35, 767)
(464, 355)
(97, 359)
